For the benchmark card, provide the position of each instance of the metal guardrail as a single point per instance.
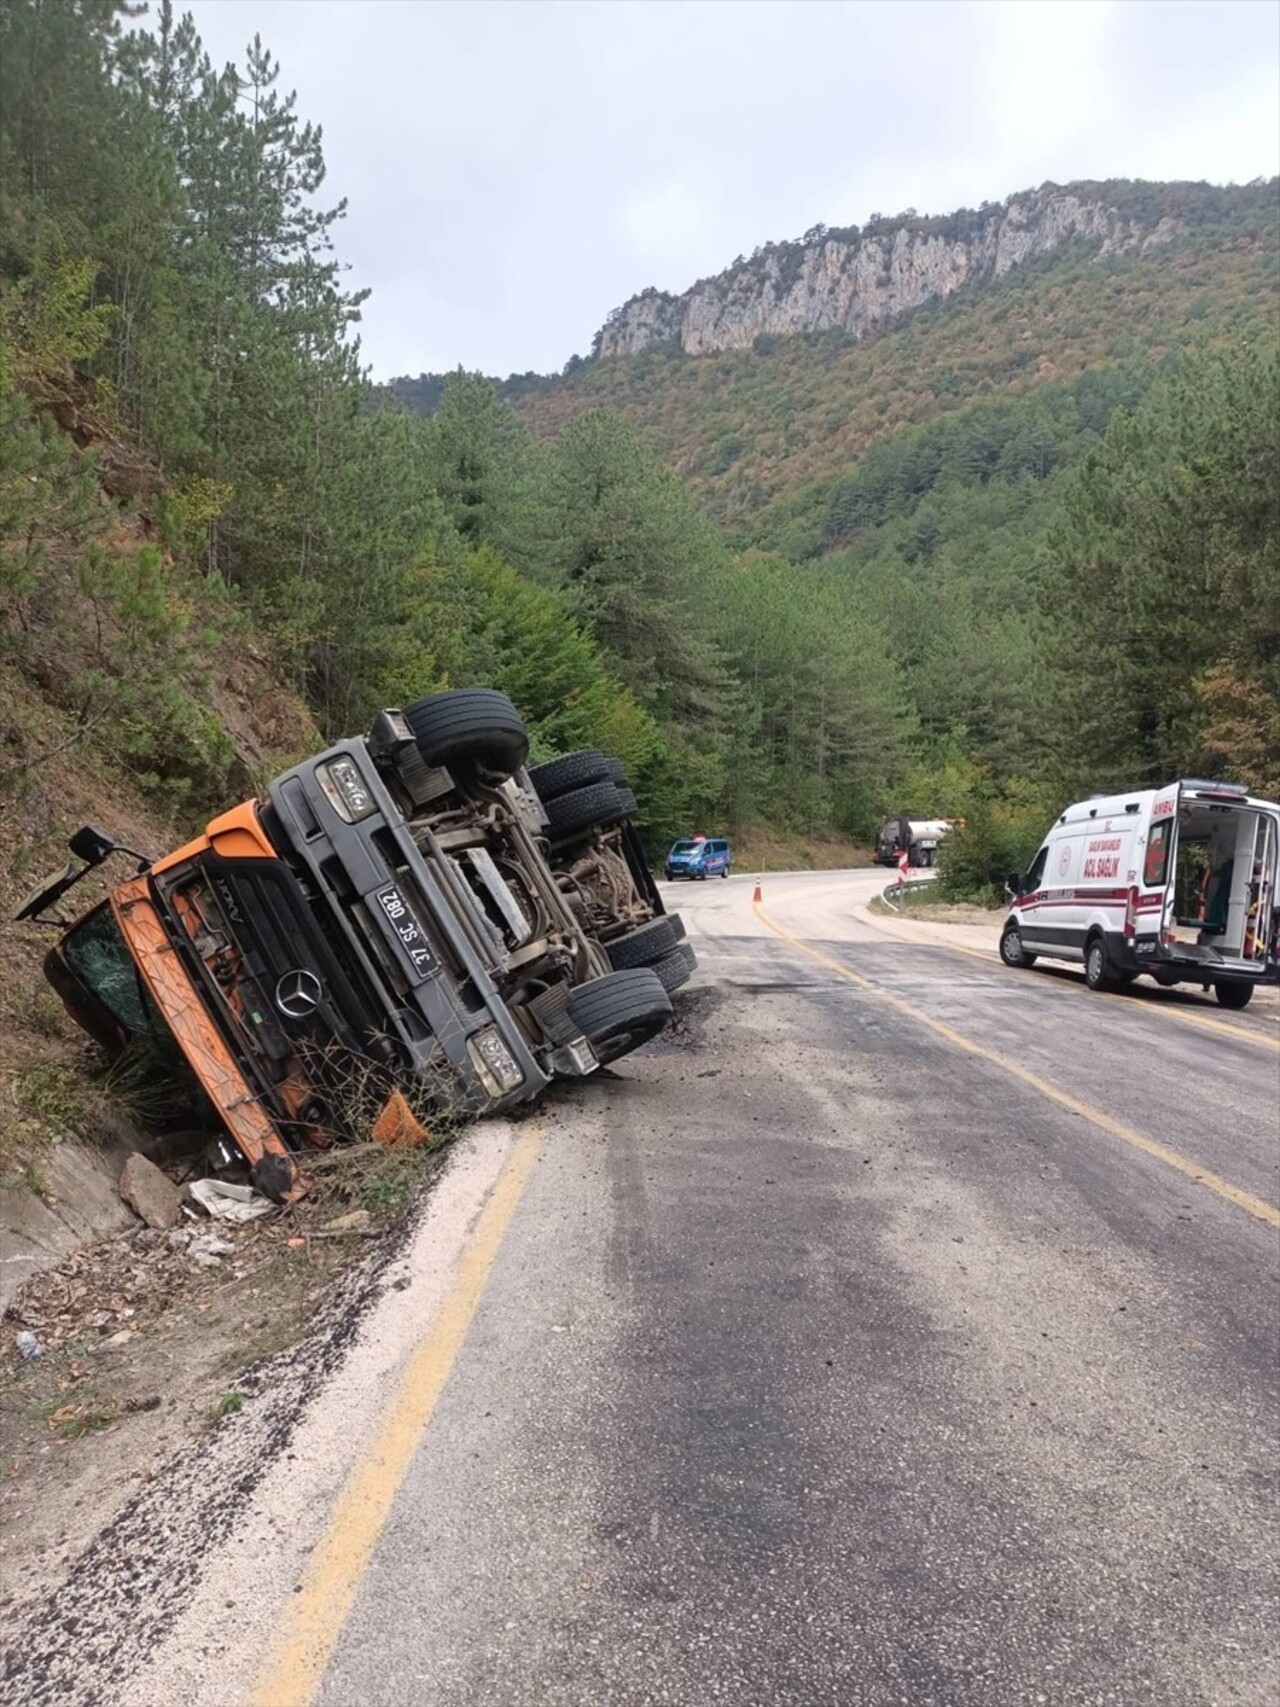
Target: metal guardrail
(891, 893)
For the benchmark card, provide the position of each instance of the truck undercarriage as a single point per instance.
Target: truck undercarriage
(407, 925)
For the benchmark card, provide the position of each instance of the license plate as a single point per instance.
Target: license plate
(417, 951)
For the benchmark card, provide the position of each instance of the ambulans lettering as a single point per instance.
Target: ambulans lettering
(1102, 857)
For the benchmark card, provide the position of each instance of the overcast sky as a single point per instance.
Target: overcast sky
(516, 170)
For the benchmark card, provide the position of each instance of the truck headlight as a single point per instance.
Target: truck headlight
(498, 1068)
(346, 790)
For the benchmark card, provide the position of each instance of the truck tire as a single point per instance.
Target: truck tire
(574, 770)
(619, 1012)
(630, 805)
(584, 808)
(676, 968)
(642, 946)
(1233, 992)
(469, 726)
(618, 771)
(1097, 965)
(1011, 949)
(677, 925)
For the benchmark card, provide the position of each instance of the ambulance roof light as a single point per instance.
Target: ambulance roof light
(1214, 790)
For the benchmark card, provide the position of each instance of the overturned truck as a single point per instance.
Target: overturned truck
(407, 923)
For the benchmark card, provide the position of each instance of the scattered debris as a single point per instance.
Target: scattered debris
(398, 1124)
(208, 1250)
(228, 1202)
(29, 1345)
(357, 1221)
(150, 1192)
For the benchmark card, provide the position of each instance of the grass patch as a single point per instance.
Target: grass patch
(391, 1178)
(54, 1095)
(922, 905)
(229, 1404)
(761, 849)
(47, 1100)
(82, 1411)
(47, 1016)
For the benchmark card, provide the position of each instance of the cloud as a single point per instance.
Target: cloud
(1047, 72)
(664, 222)
(517, 168)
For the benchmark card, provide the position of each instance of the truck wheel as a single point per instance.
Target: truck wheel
(1011, 949)
(469, 726)
(642, 946)
(630, 805)
(619, 1012)
(617, 770)
(584, 808)
(1097, 967)
(1233, 992)
(574, 770)
(676, 968)
(677, 925)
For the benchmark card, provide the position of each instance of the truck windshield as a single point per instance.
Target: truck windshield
(96, 951)
(684, 847)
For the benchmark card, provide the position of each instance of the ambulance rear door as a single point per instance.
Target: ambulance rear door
(1153, 898)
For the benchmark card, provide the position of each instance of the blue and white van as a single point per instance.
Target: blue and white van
(698, 856)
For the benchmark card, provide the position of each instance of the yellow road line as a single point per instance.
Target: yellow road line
(317, 1613)
(992, 958)
(1245, 1200)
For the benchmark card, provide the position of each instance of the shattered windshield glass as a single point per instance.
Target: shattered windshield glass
(173, 1097)
(96, 951)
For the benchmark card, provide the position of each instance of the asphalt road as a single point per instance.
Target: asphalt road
(827, 1360)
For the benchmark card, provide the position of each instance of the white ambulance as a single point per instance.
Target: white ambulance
(1178, 882)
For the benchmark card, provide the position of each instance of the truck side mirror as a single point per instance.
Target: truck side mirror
(1012, 886)
(92, 846)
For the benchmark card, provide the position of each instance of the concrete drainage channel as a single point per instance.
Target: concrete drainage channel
(267, 1470)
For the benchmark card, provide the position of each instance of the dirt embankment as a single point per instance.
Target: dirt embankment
(132, 697)
(760, 849)
(89, 595)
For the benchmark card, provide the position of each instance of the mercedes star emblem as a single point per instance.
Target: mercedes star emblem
(298, 993)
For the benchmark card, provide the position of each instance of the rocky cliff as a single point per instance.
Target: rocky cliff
(854, 280)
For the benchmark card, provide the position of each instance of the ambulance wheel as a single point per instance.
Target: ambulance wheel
(1011, 949)
(1233, 992)
(1097, 967)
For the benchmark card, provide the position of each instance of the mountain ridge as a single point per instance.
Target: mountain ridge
(854, 279)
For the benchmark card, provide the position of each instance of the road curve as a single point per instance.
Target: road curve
(861, 1342)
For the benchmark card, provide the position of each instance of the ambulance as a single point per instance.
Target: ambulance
(1178, 883)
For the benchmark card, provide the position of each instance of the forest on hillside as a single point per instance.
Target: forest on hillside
(1024, 593)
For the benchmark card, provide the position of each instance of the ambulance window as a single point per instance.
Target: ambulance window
(1155, 866)
(1031, 882)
